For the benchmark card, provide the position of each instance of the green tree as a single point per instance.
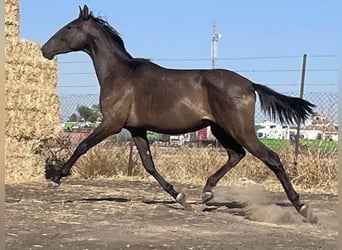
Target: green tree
(74, 118)
(96, 113)
(86, 113)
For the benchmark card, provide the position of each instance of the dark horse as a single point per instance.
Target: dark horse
(139, 95)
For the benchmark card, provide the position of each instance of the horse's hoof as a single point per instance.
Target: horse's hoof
(53, 184)
(207, 196)
(306, 212)
(182, 200)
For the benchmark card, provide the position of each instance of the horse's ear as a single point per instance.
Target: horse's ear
(80, 15)
(84, 13)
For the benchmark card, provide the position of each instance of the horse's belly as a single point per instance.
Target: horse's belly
(172, 122)
(179, 117)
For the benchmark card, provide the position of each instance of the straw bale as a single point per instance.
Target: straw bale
(33, 99)
(27, 56)
(32, 107)
(32, 111)
(22, 163)
(30, 124)
(11, 19)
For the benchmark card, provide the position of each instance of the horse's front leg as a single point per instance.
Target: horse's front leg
(140, 139)
(54, 173)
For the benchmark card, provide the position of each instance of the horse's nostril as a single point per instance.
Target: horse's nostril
(48, 56)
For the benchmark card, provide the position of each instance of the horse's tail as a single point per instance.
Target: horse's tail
(285, 108)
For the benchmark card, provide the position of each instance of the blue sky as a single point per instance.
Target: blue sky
(278, 31)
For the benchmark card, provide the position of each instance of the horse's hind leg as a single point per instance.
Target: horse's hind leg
(241, 129)
(235, 154)
(140, 139)
(271, 159)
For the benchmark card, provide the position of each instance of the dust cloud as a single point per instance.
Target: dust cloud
(255, 203)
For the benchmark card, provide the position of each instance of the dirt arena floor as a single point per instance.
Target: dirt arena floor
(128, 214)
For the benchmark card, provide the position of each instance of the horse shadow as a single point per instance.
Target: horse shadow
(99, 199)
(232, 207)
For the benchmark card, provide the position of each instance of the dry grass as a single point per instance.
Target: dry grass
(313, 171)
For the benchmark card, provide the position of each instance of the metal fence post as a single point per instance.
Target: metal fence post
(130, 159)
(301, 93)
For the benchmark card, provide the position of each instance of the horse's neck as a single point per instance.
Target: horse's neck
(107, 58)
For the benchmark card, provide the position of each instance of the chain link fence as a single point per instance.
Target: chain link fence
(173, 155)
(320, 131)
(310, 159)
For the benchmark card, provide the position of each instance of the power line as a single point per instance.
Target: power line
(241, 70)
(78, 86)
(72, 62)
(324, 56)
(218, 58)
(287, 70)
(65, 85)
(77, 73)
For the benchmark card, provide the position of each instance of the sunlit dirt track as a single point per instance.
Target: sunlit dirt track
(127, 214)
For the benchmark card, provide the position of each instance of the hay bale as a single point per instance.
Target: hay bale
(27, 57)
(32, 106)
(11, 19)
(32, 112)
(21, 161)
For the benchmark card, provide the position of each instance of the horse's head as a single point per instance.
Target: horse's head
(72, 37)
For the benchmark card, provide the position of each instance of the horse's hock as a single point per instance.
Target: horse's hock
(32, 111)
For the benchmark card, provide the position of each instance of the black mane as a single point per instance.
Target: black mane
(109, 30)
(114, 35)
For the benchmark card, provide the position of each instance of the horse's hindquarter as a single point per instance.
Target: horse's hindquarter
(170, 101)
(231, 98)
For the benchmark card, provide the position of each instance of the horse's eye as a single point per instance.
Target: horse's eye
(69, 28)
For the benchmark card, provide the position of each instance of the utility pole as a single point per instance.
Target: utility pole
(214, 39)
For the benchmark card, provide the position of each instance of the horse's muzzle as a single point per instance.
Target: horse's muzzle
(48, 55)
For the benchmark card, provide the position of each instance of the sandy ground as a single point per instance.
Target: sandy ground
(127, 214)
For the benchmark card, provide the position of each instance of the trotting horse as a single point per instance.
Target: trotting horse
(139, 95)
